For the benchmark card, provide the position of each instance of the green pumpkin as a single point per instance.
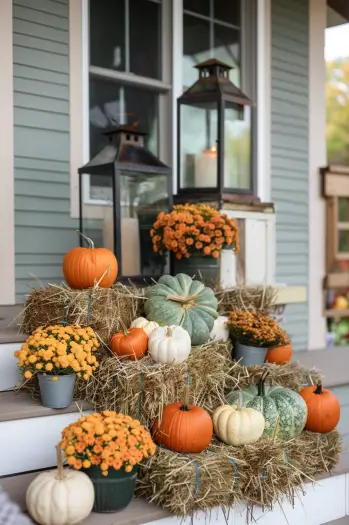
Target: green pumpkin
(182, 301)
(277, 404)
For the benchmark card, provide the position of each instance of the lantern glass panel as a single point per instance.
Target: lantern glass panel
(237, 147)
(142, 197)
(198, 145)
(94, 217)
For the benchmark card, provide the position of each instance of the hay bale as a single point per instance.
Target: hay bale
(262, 474)
(290, 375)
(253, 298)
(142, 388)
(107, 310)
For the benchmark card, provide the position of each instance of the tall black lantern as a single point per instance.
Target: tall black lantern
(214, 137)
(140, 186)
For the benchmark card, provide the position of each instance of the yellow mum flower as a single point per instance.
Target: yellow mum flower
(28, 374)
(69, 450)
(86, 463)
(48, 367)
(32, 359)
(39, 366)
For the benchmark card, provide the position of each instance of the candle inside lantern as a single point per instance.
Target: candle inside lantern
(206, 169)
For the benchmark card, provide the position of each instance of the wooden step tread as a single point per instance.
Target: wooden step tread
(341, 521)
(139, 511)
(20, 405)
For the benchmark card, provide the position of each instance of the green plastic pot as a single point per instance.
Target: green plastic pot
(199, 265)
(113, 492)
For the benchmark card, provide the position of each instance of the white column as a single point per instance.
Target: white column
(7, 223)
(317, 159)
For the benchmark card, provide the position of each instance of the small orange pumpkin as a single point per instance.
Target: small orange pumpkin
(130, 344)
(184, 428)
(88, 267)
(279, 354)
(323, 409)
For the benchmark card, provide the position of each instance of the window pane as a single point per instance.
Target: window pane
(237, 155)
(145, 38)
(197, 6)
(196, 46)
(227, 49)
(198, 147)
(343, 241)
(227, 11)
(112, 103)
(107, 34)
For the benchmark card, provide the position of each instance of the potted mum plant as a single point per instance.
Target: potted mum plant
(253, 334)
(196, 234)
(108, 447)
(57, 355)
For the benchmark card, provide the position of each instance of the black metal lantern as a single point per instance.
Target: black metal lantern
(139, 187)
(214, 134)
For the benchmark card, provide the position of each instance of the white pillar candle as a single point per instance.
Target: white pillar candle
(206, 169)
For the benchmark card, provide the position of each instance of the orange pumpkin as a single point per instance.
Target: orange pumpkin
(183, 428)
(279, 354)
(323, 409)
(131, 344)
(88, 267)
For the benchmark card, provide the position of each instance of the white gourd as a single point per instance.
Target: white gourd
(60, 496)
(142, 322)
(220, 330)
(238, 427)
(169, 344)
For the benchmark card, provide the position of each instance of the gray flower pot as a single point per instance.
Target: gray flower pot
(249, 355)
(56, 393)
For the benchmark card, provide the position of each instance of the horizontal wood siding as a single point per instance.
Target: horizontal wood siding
(289, 153)
(342, 393)
(44, 229)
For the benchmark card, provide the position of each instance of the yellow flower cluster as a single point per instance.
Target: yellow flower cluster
(107, 440)
(59, 350)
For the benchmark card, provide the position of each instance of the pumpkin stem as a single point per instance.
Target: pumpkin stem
(260, 385)
(180, 299)
(318, 389)
(169, 331)
(60, 476)
(185, 402)
(87, 239)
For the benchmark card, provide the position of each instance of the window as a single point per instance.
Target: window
(128, 77)
(130, 64)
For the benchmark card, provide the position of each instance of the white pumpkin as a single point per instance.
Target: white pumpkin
(142, 322)
(220, 330)
(238, 427)
(169, 344)
(60, 497)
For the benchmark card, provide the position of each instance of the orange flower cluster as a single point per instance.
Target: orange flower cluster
(59, 350)
(190, 228)
(254, 329)
(107, 440)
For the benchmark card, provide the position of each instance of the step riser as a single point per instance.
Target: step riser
(9, 373)
(29, 444)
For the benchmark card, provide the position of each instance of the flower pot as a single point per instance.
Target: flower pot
(249, 355)
(202, 266)
(56, 391)
(279, 354)
(113, 492)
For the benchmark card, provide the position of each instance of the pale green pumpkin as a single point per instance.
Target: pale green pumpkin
(182, 301)
(279, 406)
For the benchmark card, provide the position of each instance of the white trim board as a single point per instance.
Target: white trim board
(317, 159)
(7, 230)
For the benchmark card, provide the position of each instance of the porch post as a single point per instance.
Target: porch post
(317, 158)
(7, 225)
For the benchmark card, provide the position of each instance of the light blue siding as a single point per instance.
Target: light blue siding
(44, 230)
(289, 152)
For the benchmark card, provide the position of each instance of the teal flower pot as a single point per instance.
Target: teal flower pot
(56, 391)
(113, 492)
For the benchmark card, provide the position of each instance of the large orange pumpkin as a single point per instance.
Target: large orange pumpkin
(279, 354)
(130, 344)
(183, 428)
(323, 409)
(88, 267)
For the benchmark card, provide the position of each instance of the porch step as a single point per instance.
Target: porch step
(138, 512)
(341, 521)
(29, 432)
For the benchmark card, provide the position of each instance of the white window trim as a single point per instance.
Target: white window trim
(79, 103)
(7, 230)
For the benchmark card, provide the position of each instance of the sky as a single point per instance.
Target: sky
(337, 42)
